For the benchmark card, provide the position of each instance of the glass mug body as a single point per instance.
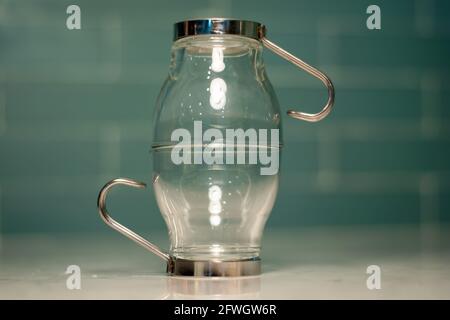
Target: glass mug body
(216, 148)
(216, 211)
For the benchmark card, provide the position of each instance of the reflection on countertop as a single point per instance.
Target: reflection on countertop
(213, 288)
(303, 263)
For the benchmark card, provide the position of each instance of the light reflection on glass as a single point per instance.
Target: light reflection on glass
(215, 207)
(215, 220)
(218, 90)
(217, 64)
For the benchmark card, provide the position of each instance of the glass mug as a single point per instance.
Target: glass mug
(213, 193)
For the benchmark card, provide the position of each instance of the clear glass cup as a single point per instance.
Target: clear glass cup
(216, 148)
(214, 211)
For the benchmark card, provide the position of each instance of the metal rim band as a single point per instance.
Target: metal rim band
(211, 26)
(211, 268)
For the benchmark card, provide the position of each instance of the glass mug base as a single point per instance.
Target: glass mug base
(214, 268)
(216, 251)
(215, 261)
(233, 261)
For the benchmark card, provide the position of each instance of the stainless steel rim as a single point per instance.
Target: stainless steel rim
(213, 268)
(206, 26)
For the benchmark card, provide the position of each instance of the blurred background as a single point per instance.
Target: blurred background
(76, 110)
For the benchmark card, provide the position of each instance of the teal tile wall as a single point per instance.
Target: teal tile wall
(76, 109)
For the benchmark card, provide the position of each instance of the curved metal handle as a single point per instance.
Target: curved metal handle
(101, 204)
(310, 117)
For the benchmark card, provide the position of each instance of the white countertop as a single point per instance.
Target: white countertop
(307, 263)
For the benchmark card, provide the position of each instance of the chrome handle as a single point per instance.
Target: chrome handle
(101, 204)
(310, 117)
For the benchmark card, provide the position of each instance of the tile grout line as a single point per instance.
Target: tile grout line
(424, 17)
(109, 157)
(3, 123)
(327, 139)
